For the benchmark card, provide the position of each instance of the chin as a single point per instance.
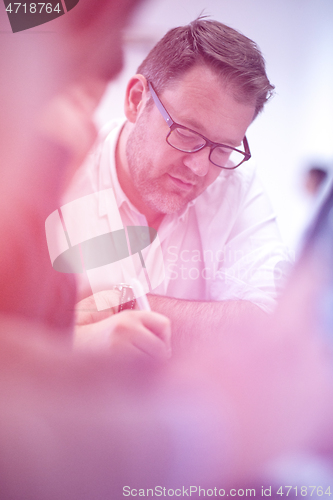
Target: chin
(166, 204)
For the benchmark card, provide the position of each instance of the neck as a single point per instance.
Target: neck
(154, 219)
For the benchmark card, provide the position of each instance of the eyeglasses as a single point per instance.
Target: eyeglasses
(187, 140)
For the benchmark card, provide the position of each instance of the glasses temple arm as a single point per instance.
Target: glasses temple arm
(160, 106)
(246, 147)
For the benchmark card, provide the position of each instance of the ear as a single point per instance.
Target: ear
(136, 96)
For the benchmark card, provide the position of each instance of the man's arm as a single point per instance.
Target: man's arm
(196, 321)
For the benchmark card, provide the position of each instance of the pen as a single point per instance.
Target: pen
(140, 295)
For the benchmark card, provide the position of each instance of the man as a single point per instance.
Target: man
(82, 425)
(171, 166)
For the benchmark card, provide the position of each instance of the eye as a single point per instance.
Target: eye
(184, 133)
(222, 151)
(183, 137)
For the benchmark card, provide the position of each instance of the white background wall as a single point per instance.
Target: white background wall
(296, 38)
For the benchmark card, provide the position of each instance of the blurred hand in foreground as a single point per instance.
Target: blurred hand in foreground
(129, 333)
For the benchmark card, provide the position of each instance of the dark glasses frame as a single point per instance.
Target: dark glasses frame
(208, 143)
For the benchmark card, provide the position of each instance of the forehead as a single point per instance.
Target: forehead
(202, 100)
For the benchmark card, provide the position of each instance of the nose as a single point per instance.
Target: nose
(198, 162)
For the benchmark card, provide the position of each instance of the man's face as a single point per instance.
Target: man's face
(164, 179)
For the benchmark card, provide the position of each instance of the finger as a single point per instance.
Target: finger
(86, 309)
(149, 343)
(86, 316)
(158, 324)
(128, 327)
(91, 336)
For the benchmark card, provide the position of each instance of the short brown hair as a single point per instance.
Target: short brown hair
(236, 58)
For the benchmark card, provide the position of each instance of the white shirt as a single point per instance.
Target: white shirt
(225, 245)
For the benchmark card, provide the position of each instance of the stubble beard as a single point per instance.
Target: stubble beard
(151, 191)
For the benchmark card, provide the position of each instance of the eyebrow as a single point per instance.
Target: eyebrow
(193, 123)
(196, 126)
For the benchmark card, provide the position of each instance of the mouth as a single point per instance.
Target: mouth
(182, 184)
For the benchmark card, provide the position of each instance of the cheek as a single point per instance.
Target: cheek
(161, 154)
(163, 157)
(152, 146)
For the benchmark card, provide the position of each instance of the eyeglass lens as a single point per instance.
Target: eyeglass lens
(190, 142)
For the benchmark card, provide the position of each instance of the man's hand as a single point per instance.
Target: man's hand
(129, 333)
(193, 322)
(86, 311)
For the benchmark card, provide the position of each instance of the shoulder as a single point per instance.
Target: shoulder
(231, 189)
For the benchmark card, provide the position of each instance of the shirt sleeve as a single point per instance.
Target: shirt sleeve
(255, 261)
